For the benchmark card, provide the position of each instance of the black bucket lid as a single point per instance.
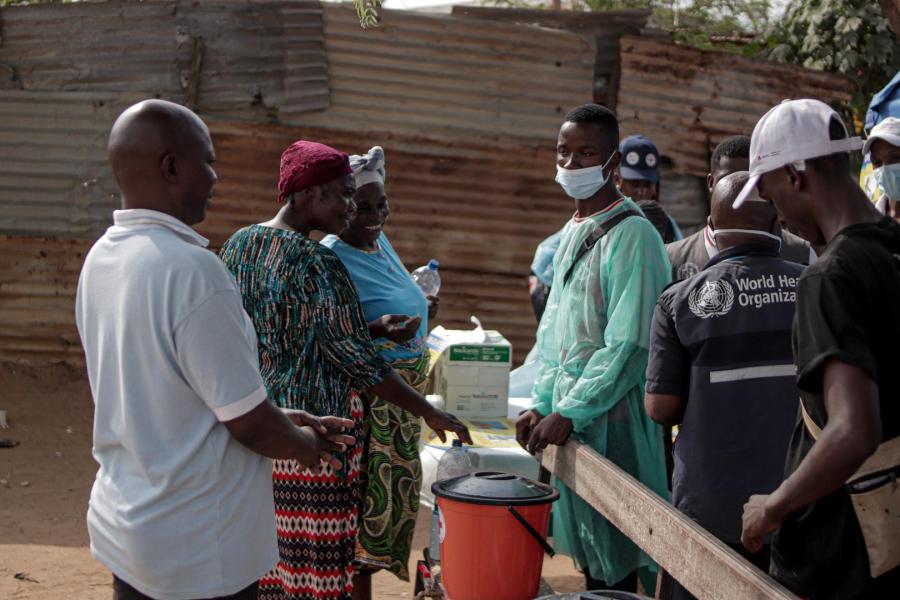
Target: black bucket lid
(493, 488)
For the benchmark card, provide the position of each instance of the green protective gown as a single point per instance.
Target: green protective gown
(593, 345)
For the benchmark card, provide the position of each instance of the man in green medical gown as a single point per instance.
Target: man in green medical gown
(593, 344)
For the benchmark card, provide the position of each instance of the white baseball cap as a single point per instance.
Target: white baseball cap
(791, 131)
(887, 130)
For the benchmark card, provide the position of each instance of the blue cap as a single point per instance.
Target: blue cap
(640, 159)
(433, 265)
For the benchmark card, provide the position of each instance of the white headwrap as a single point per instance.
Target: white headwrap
(368, 168)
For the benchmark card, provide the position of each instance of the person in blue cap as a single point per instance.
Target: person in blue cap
(638, 178)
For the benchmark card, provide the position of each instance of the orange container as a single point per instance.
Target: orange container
(492, 529)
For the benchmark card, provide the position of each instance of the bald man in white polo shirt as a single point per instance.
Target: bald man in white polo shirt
(181, 507)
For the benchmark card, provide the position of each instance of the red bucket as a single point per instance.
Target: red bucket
(492, 530)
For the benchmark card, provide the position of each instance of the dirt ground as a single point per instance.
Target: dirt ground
(44, 487)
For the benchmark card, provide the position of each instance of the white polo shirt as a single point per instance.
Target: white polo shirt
(179, 508)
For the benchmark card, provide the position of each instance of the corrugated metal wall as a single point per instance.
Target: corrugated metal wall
(605, 28)
(470, 157)
(54, 180)
(687, 100)
(257, 59)
(442, 77)
(480, 210)
(38, 277)
(468, 132)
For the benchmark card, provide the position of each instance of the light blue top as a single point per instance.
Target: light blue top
(542, 266)
(385, 288)
(676, 229)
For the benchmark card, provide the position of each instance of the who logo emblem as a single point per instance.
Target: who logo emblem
(712, 299)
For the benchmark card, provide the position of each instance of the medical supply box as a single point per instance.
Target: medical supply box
(471, 371)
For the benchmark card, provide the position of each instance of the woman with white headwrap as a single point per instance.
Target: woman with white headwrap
(397, 312)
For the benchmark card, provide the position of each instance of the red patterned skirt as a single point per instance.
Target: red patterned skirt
(316, 516)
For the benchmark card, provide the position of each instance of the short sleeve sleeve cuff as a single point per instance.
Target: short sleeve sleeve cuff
(242, 406)
(378, 369)
(665, 387)
(217, 353)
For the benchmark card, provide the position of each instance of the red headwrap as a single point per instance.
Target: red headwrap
(308, 164)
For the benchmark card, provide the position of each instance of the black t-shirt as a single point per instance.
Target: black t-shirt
(848, 308)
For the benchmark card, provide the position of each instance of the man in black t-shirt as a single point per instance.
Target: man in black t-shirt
(845, 338)
(721, 367)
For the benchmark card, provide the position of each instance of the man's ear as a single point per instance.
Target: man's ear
(795, 177)
(167, 167)
(616, 160)
(709, 182)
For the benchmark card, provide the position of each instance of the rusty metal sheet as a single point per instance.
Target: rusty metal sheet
(38, 278)
(685, 199)
(253, 60)
(443, 77)
(605, 27)
(473, 207)
(54, 179)
(479, 211)
(687, 100)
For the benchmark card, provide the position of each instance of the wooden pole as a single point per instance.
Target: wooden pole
(196, 65)
(698, 560)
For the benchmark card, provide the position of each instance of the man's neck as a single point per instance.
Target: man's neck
(728, 242)
(128, 204)
(845, 205)
(603, 199)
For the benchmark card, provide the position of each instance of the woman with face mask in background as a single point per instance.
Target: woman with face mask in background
(883, 148)
(316, 354)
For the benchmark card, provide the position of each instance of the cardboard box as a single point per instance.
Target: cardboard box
(472, 371)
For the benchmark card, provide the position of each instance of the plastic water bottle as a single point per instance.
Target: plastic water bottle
(427, 278)
(456, 461)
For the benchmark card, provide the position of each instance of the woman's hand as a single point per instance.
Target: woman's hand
(440, 422)
(397, 328)
(433, 304)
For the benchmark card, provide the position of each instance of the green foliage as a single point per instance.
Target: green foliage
(849, 37)
(696, 21)
(367, 10)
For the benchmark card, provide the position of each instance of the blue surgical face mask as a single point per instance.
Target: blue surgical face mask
(888, 177)
(581, 184)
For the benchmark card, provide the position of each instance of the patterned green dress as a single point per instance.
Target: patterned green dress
(315, 354)
(391, 471)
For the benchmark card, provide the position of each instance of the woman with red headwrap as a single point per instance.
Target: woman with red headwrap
(315, 354)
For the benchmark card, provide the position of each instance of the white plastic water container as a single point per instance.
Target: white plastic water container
(427, 278)
(455, 462)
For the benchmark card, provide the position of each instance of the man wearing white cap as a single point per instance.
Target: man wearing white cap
(845, 338)
(883, 148)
